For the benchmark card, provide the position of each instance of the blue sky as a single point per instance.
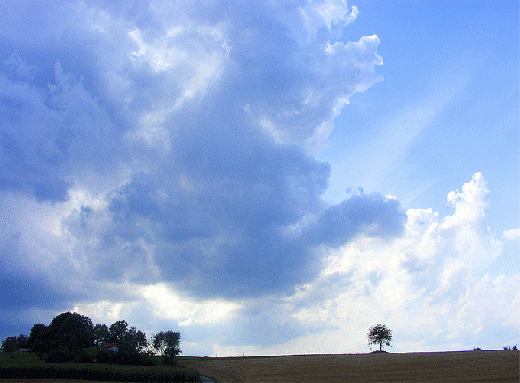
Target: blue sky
(264, 177)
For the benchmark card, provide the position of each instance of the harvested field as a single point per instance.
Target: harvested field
(470, 366)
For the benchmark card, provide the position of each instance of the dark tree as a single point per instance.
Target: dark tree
(73, 328)
(168, 344)
(23, 341)
(101, 334)
(379, 334)
(130, 341)
(118, 331)
(159, 344)
(135, 340)
(10, 345)
(68, 334)
(38, 339)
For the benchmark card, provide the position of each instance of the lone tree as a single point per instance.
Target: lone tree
(379, 334)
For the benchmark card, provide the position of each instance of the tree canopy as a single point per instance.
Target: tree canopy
(101, 334)
(38, 339)
(168, 344)
(379, 334)
(66, 337)
(10, 345)
(128, 339)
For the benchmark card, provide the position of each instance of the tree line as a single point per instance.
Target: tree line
(71, 337)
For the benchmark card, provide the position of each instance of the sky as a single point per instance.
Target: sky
(266, 177)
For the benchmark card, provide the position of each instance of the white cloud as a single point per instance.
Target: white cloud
(470, 203)
(194, 57)
(161, 303)
(512, 234)
(328, 13)
(167, 304)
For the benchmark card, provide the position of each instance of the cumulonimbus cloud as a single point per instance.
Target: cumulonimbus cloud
(173, 141)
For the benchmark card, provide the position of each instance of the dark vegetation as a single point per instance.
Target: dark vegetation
(71, 347)
(511, 348)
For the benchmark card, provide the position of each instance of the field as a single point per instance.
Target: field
(470, 366)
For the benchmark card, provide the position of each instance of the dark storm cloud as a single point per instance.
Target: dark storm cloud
(224, 230)
(229, 238)
(370, 214)
(22, 292)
